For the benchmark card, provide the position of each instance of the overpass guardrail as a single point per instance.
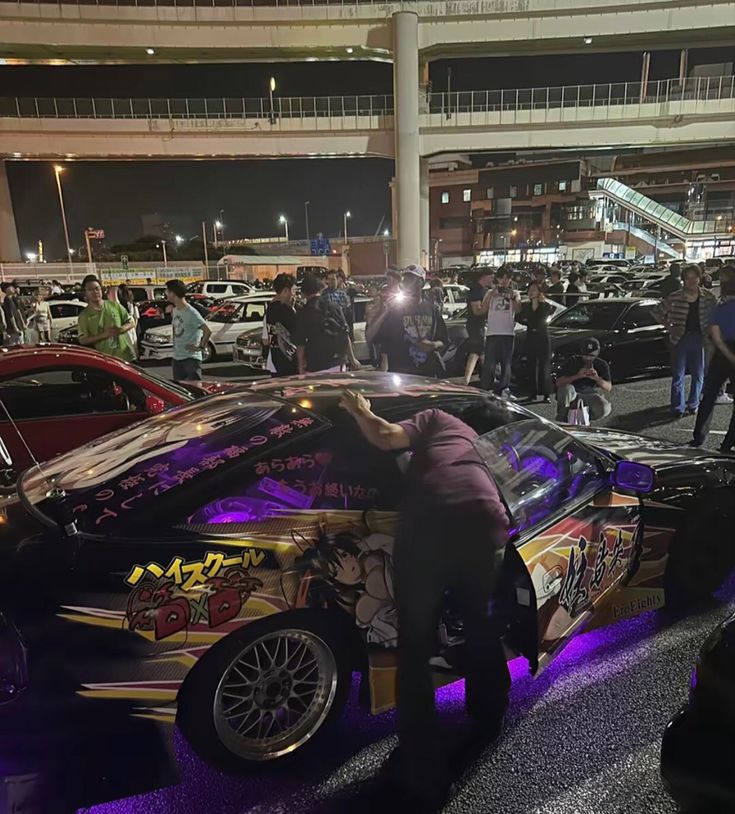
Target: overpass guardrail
(610, 95)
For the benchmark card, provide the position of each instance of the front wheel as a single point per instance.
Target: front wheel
(208, 353)
(266, 692)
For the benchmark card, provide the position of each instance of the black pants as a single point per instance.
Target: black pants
(718, 372)
(433, 553)
(538, 355)
(498, 350)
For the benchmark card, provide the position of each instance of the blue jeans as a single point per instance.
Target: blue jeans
(498, 351)
(187, 370)
(687, 356)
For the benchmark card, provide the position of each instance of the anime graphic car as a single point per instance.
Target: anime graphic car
(227, 564)
(58, 397)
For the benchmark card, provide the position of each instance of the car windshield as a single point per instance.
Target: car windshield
(195, 288)
(162, 382)
(538, 468)
(599, 315)
(142, 473)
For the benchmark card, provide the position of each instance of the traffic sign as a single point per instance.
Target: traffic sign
(95, 234)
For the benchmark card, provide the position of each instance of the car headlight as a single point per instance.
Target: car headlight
(157, 339)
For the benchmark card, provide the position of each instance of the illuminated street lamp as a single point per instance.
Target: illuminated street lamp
(31, 257)
(282, 219)
(58, 169)
(271, 91)
(348, 214)
(179, 240)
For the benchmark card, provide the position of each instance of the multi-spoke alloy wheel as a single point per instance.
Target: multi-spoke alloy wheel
(275, 694)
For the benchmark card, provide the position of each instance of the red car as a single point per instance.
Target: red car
(58, 397)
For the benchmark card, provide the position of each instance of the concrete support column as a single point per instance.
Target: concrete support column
(9, 247)
(406, 93)
(424, 215)
(683, 65)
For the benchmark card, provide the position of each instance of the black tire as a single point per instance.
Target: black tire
(209, 354)
(201, 716)
(702, 554)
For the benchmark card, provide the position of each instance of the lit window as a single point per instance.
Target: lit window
(538, 189)
(466, 195)
(445, 197)
(513, 192)
(490, 192)
(562, 186)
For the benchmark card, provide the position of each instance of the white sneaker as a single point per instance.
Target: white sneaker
(506, 394)
(723, 398)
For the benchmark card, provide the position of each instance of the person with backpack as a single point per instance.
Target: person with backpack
(320, 333)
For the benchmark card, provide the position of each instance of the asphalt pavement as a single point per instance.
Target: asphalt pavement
(582, 738)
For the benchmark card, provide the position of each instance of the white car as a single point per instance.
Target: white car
(219, 288)
(455, 298)
(226, 321)
(64, 314)
(248, 349)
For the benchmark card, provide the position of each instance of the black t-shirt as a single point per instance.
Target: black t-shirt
(556, 290)
(693, 325)
(575, 363)
(669, 285)
(320, 327)
(573, 295)
(403, 329)
(475, 324)
(535, 321)
(280, 319)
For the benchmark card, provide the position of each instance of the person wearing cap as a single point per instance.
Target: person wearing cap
(502, 303)
(585, 377)
(413, 333)
(320, 333)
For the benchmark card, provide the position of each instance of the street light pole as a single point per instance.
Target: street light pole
(165, 259)
(271, 91)
(306, 218)
(284, 221)
(57, 172)
(348, 214)
(206, 253)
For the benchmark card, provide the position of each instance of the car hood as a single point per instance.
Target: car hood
(161, 330)
(640, 449)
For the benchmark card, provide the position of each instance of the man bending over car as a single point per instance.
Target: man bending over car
(451, 535)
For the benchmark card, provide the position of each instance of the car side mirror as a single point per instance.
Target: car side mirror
(633, 477)
(154, 405)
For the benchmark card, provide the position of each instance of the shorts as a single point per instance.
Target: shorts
(476, 343)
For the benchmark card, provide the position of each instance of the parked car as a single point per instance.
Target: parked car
(227, 319)
(632, 339)
(64, 314)
(697, 747)
(210, 566)
(218, 289)
(249, 349)
(60, 397)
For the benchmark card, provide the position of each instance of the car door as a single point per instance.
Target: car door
(577, 537)
(639, 342)
(55, 410)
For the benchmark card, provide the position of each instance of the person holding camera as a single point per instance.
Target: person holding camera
(585, 377)
(502, 304)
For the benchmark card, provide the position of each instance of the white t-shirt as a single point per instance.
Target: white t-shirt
(501, 316)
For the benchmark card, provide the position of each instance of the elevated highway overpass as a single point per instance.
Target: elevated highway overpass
(609, 115)
(277, 30)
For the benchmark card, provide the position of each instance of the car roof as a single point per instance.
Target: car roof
(21, 357)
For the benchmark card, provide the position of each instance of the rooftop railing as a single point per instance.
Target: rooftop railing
(450, 106)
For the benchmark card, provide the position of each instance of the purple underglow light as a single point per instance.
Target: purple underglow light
(233, 517)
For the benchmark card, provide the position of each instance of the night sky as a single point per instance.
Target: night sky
(113, 195)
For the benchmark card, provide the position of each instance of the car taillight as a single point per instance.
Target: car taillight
(150, 312)
(13, 661)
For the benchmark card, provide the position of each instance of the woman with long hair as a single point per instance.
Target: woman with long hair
(535, 314)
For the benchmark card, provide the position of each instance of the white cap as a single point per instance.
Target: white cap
(419, 271)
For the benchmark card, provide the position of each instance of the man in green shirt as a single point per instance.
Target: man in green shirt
(105, 325)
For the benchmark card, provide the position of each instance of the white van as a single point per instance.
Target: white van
(218, 288)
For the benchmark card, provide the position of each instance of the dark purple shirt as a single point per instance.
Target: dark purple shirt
(446, 471)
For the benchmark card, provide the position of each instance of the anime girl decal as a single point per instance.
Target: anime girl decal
(350, 569)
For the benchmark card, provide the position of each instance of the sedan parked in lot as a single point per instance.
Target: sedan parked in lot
(59, 397)
(226, 320)
(228, 564)
(632, 339)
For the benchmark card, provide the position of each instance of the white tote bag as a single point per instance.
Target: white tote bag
(579, 414)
